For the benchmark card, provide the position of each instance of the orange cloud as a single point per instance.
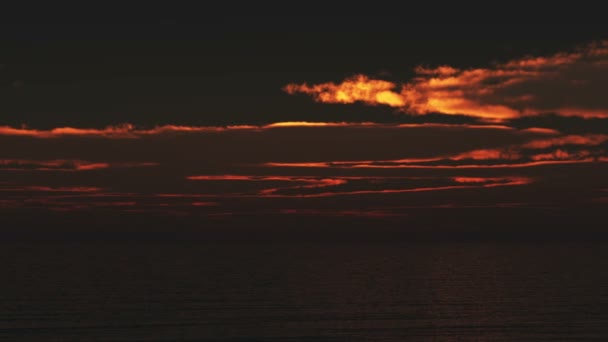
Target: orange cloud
(319, 124)
(356, 89)
(129, 131)
(490, 183)
(110, 131)
(517, 156)
(500, 165)
(588, 140)
(573, 149)
(568, 84)
(376, 183)
(563, 155)
(470, 180)
(487, 154)
(320, 165)
(119, 131)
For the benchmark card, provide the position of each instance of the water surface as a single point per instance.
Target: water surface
(152, 291)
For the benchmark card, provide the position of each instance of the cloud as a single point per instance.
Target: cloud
(119, 131)
(566, 83)
(356, 89)
(350, 169)
(64, 165)
(587, 140)
(314, 187)
(66, 189)
(401, 165)
(92, 198)
(129, 131)
(305, 182)
(117, 162)
(543, 151)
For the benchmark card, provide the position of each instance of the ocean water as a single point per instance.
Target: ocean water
(173, 291)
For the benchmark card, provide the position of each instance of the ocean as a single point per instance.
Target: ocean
(310, 291)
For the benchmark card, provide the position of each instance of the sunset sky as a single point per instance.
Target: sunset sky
(314, 124)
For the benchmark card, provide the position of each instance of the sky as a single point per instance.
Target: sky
(303, 127)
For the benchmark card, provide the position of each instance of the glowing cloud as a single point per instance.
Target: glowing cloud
(358, 88)
(317, 124)
(568, 84)
(119, 131)
(129, 131)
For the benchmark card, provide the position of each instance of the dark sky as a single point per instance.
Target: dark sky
(229, 70)
(132, 125)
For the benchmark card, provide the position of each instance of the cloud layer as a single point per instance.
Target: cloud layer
(298, 168)
(506, 153)
(568, 84)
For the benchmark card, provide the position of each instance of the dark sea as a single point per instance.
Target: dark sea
(196, 291)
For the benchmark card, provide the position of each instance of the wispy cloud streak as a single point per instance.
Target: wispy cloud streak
(64, 165)
(311, 187)
(566, 149)
(129, 131)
